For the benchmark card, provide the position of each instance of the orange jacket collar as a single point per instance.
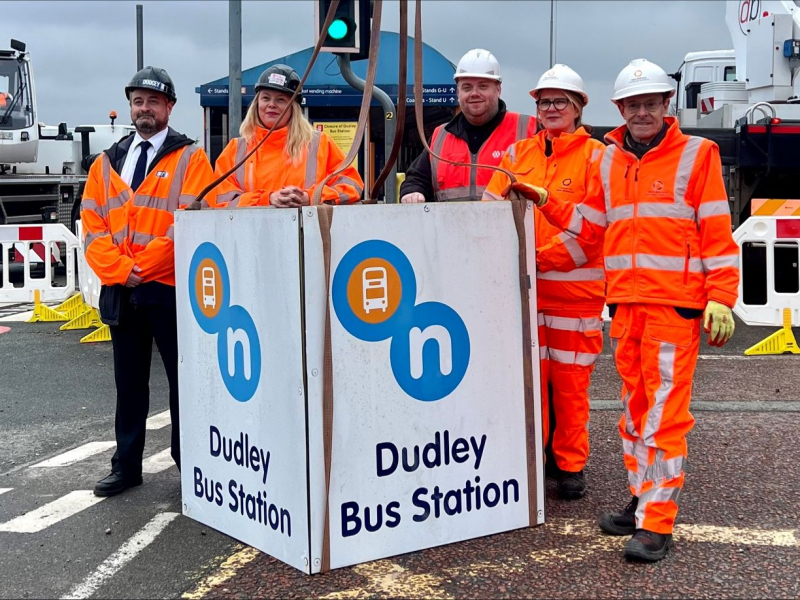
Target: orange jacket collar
(617, 136)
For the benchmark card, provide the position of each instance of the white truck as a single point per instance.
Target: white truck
(748, 100)
(41, 175)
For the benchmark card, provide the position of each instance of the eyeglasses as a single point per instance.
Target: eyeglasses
(559, 103)
(650, 106)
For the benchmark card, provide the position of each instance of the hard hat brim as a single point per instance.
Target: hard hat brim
(496, 78)
(565, 87)
(656, 88)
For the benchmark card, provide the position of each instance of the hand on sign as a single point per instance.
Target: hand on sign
(718, 323)
(412, 198)
(530, 192)
(134, 279)
(290, 196)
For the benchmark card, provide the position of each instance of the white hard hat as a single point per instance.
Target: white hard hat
(561, 77)
(478, 63)
(641, 77)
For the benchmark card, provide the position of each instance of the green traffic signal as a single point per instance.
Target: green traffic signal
(338, 29)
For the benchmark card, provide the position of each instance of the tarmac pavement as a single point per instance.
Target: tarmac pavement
(737, 535)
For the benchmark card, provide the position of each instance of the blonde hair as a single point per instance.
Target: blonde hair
(300, 134)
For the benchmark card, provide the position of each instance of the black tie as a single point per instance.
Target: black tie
(141, 165)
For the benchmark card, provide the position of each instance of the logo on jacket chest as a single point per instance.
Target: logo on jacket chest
(566, 186)
(657, 188)
(162, 174)
(498, 154)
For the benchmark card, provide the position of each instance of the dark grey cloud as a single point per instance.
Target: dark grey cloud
(85, 52)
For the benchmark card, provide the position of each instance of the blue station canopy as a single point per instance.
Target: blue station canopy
(325, 85)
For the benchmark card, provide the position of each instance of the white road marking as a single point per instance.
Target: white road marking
(158, 462)
(75, 455)
(4, 490)
(158, 421)
(51, 513)
(18, 317)
(127, 552)
(690, 532)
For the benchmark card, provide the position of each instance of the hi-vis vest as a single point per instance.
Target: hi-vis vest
(464, 183)
(123, 228)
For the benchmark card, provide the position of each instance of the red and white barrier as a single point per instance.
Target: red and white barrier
(777, 240)
(88, 280)
(24, 241)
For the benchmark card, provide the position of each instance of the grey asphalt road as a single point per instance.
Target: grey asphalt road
(57, 394)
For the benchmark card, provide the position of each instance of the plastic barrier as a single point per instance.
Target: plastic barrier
(14, 238)
(769, 289)
(86, 314)
(367, 387)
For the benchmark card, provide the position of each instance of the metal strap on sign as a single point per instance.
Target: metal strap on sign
(401, 106)
(13, 237)
(88, 280)
(325, 214)
(418, 103)
(519, 207)
(198, 203)
(366, 101)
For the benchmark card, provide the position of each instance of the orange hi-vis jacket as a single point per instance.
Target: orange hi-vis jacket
(270, 170)
(569, 273)
(123, 228)
(468, 183)
(666, 220)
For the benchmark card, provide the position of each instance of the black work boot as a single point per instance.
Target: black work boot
(647, 546)
(571, 486)
(621, 523)
(116, 483)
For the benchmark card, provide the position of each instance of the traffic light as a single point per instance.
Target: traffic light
(349, 32)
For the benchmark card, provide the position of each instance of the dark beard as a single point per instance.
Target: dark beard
(149, 126)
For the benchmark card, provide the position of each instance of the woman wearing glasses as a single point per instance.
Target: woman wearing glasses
(569, 276)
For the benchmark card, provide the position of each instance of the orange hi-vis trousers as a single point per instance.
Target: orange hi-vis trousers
(574, 341)
(655, 350)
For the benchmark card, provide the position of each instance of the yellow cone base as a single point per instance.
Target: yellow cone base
(44, 314)
(779, 342)
(72, 307)
(89, 318)
(102, 334)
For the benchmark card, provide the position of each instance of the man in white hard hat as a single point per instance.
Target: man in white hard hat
(671, 268)
(480, 133)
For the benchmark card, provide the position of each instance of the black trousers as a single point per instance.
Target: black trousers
(132, 341)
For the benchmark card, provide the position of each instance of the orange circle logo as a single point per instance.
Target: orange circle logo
(374, 290)
(208, 288)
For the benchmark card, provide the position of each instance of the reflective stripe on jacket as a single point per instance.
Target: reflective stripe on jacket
(569, 272)
(666, 220)
(465, 183)
(123, 228)
(270, 170)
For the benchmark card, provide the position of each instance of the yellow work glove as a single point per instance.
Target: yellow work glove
(529, 192)
(718, 323)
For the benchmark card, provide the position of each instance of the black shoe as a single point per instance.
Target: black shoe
(116, 483)
(621, 523)
(571, 486)
(647, 546)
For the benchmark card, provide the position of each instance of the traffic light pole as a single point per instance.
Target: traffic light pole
(390, 187)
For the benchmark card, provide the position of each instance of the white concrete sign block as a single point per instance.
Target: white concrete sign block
(429, 426)
(242, 396)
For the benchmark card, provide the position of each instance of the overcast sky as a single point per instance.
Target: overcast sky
(85, 52)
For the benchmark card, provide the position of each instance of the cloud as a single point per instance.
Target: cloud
(85, 52)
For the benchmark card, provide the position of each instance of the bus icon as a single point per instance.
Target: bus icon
(209, 287)
(376, 295)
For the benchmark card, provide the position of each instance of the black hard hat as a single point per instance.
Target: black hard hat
(152, 78)
(282, 78)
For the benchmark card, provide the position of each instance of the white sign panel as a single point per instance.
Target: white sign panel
(429, 423)
(242, 396)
